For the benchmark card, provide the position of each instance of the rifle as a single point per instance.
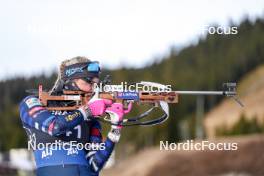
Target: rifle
(158, 99)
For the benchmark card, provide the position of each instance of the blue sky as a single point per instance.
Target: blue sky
(37, 35)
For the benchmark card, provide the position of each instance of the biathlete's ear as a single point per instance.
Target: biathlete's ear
(129, 107)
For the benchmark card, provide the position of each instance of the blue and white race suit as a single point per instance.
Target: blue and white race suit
(52, 127)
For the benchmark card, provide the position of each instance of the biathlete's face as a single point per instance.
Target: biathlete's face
(86, 86)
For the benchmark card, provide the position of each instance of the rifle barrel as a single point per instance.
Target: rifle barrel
(228, 93)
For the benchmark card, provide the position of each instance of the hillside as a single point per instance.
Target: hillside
(246, 161)
(251, 92)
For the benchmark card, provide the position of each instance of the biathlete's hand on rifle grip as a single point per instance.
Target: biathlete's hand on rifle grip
(117, 112)
(96, 107)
